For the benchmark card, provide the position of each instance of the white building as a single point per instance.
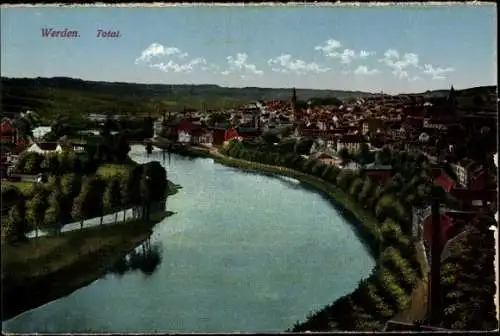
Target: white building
(44, 148)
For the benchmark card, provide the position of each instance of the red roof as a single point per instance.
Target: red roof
(230, 133)
(6, 127)
(186, 125)
(445, 181)
(446, 224)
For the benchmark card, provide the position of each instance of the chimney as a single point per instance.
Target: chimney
(435, 302)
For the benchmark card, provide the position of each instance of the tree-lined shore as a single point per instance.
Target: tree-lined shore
(382, 211)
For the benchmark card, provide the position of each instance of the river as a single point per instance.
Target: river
(244, 252)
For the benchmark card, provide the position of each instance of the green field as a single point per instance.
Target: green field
(24, 186)
(112, 169)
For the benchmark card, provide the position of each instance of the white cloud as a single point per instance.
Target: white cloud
(364, 53)
(332, 49)
(363, 70)
(286, 64)
(437, 73)
(158, 50)
(170, 59)
(172, 66)
(400, 64)
(240, 64)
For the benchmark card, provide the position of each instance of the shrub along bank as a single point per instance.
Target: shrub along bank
(388, 289)
(44, 269)
(73, 197)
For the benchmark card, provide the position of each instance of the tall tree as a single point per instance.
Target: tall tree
(112, 196)
(35, 209)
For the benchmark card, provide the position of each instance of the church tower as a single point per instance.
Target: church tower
(451, 102)
(294, 104)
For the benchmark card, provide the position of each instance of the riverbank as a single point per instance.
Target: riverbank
(44, 269)
(364, 223)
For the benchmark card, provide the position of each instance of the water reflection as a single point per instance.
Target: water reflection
(145, 258)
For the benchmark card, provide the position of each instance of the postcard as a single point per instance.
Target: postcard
(249, 168)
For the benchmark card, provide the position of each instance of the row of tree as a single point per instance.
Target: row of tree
(73, 197)
(391, 203)
(468, 279)
(388, 289)
(112, 149)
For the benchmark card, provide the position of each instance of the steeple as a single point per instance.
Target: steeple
(452, 98)
(294, 104)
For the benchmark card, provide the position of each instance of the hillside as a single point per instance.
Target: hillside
(68, 96)
(60, 95)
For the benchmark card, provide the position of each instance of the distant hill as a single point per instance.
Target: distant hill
(72, 97)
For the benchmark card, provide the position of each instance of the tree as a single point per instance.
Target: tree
(96, 192)
(71, 185)
(35, 209)
(50, 163)
(344, 155)
(31, 162)
(131, 195)
(23, 127)
(14, 226)
(10, 196)
(356, 187)
(270, 138)
(112, 196)
(122, 148)
(154, 185)
(303, 147)
(366, 190)
(383, 157)
(54, 214)
(364, 154)
(65, 161)
(84, 204)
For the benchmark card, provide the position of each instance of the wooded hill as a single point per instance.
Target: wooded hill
(75, 97)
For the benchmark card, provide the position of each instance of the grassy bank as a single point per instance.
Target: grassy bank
(408, 305)
(41, 270)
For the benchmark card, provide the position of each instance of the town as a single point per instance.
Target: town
(234, 169)
(453, 141)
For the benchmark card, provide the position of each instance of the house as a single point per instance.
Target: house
(179, 129)
(446, 226)
(201, 136)
(352, 142)
(370, 125)
(44, 148)
(462, 170)
(157, 127)
(445, 181)
(222, 134)
(380, 173)
(7, 131)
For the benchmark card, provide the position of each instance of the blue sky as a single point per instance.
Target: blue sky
(389, 48)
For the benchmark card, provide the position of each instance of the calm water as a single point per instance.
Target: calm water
(244, 252)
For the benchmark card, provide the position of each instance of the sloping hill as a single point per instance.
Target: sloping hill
(69, 96)
(60, 95)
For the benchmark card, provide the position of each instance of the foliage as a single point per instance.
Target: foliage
(388, 289)
(14, 226)
(468, 280)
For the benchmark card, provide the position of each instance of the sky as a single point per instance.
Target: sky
(394, 49)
